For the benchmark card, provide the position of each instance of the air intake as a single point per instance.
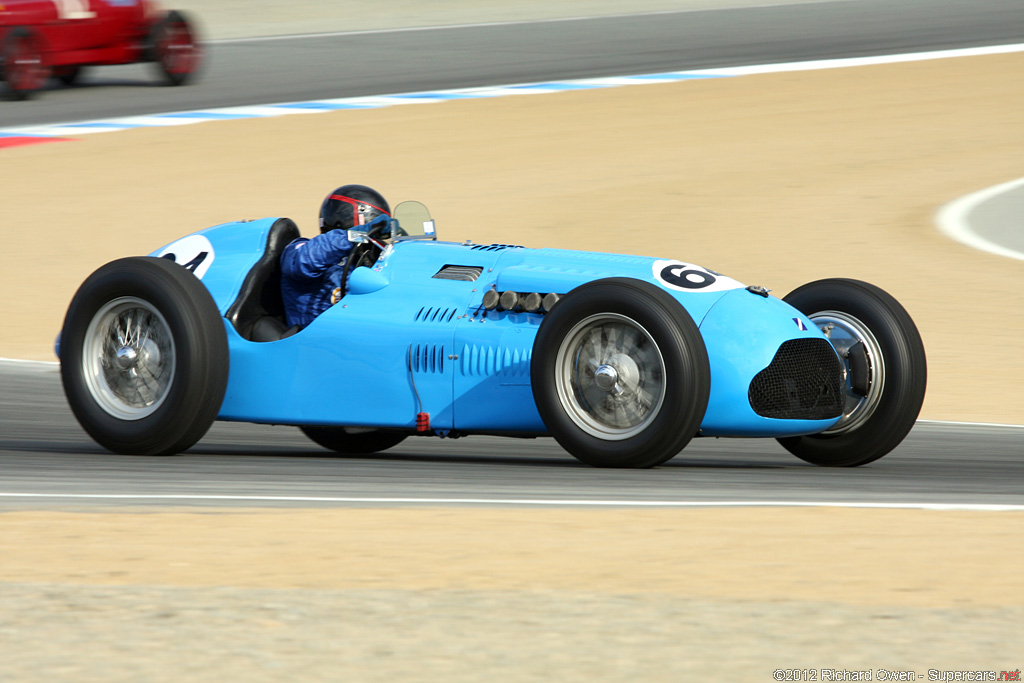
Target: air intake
(803, 382)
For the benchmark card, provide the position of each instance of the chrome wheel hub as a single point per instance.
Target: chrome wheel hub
(610, 376)
(844, 332)
(128, 358)
(606, 377)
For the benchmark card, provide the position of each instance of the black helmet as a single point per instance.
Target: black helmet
(351, 206)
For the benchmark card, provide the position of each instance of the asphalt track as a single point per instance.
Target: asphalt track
(999, 219)
(47, 460)
(243, 465)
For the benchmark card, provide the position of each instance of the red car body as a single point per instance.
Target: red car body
(43, 38)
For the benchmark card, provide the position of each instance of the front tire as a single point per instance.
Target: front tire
(353, 442)
(886, 368)
(620, 374)
(144, 357)
(174, 47)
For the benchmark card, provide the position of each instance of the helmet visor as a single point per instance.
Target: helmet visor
(362, 212)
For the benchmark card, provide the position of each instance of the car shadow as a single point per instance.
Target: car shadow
(548, 455)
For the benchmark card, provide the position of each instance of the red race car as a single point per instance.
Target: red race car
(43, 38)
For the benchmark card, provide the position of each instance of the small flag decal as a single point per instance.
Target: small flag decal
(800, 324)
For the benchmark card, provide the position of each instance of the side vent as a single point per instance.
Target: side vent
(503, 362)
(463, 273)
(434, 315)
(426, 358)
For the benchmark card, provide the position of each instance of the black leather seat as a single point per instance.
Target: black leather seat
(257, 314)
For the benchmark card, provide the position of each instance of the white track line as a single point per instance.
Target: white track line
(814, 65)
(953, 222)
(531, 502)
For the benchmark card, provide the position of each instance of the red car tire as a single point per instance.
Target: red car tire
(174, 47)
(22, 64)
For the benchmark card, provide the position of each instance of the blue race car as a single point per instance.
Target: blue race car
(622, 359)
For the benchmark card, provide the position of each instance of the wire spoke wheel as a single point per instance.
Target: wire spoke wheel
(128, 358)
(144, 357)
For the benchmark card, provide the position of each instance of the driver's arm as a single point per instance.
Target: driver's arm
(311, 258)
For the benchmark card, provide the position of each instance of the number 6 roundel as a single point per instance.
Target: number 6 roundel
(686, 277)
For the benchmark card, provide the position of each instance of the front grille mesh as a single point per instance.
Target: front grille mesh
(803, 382)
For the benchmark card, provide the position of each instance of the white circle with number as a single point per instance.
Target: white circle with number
(195, 253)
(686, 277)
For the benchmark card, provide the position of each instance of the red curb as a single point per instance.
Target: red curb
(19, 141)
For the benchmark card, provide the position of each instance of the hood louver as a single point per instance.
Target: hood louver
(463, 273)
(494, 247)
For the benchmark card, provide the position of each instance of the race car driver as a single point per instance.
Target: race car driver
(312, 269)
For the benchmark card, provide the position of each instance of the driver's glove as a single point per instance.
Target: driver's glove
(384, 221)
(379, 227)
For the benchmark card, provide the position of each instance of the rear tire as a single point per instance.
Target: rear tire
(144, 357)
(361, 442)
(892, 368)
(620, 374)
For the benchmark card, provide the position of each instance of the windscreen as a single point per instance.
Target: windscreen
(414, 222)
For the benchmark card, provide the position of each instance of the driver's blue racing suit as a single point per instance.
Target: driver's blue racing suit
(311, 272)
